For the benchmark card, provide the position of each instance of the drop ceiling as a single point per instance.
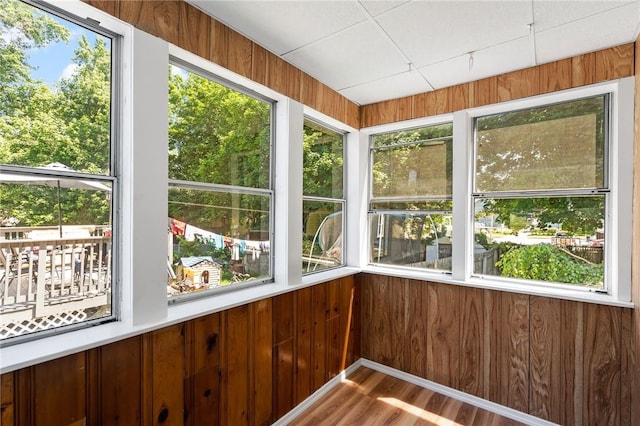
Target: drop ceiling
(374, 50)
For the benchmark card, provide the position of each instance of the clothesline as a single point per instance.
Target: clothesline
(237, 246)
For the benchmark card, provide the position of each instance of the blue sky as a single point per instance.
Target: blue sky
(51, 61)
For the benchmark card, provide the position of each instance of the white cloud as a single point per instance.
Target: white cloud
(68, 71)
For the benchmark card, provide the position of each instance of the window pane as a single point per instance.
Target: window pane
(559, 239)
(557, 146)
(322, 235)
(415, 240)
(55, 101)
(55, 253)
(413, 135)
(323, 161)
(217, 134)
(216, 239)
(55, 118)
(418, 168)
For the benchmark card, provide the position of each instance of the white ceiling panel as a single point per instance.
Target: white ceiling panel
(611, 28)
(548, 14)
(432, 31)
(488, 62)
(282, 26)
(357, 55)
(376, 7)
(404, 84)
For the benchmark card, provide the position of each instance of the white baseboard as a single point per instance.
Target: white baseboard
(419, 381)
(459, 395)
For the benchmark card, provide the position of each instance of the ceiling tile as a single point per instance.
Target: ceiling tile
(611, 28)
(377, 7)
(396, 86)
(548, 14)
(429, 32)
(495, 60)
(282, 26)
(354, 56)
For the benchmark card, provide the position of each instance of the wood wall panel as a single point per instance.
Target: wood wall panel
(159, 18)
(303, 369)
(261, 387)
(547, 357)
(120, 369)
(319, 349)
(239, 55)
(616, 62)
(219, 44)
(518, 84)
(60, 392)
(259, 64)
(583, 69)
(167, 382)
(443, 334)
(483, 92)
(555, 76)
(235, 382)
(7, 399)
(197, 39)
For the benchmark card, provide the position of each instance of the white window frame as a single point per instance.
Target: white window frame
(618, 215)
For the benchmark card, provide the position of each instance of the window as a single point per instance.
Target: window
(541, 191)
(220, 197)
(410, 207)
(323, 200)
(532, 195)
(58, 177)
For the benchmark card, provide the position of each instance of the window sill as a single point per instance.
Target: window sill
(484, 283)
(48, 348)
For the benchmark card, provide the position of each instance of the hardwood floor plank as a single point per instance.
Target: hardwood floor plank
(373, 398)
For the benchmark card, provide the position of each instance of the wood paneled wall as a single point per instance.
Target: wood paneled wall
(244, 366)
(603, 65)
(185, 26)
(563, 361)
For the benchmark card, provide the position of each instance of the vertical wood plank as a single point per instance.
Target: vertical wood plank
(615, 62)
(108, 6)
(415, 358)
(295, 83)
(545, 384)
(438, 101)
(259, 64)
(319, 355)
(277, 73)
(159, 18)
(92, 384)
(518, 84)
(236, 377)
(283, 321)
(219, 43)
(555, 76)
(196, 40)
(310, 92)
(443, 334)
(572, 377)
(334, 347)
(459, 97)
(283, 382)
(602, 364)
(7, 399)
(583, 69)
(352, 114)
(347, 300)
(261, 393)
(515, 350)
(206, 367)
(483, 92)
(304, 327)
(60, 391)
(121, 374)
(471, 340)
(24, 396)
(239, 54)
(626, 368)
(419, 105)
(168, 375)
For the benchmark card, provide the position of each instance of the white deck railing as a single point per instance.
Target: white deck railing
(42, 274)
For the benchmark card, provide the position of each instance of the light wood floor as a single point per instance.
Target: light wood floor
(369, 397)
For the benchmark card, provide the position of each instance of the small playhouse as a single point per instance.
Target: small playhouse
(199, 271)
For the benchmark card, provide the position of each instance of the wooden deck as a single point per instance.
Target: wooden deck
(369, 397)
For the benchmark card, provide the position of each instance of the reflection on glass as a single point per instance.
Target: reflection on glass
(322, 161)
(321, 235)
(217, 134)
(216, 239)
(557, 239)
(419, 240)
(557, 146)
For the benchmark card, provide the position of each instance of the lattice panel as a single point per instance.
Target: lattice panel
(45, 323)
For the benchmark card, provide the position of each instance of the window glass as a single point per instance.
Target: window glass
(536, 215)
(219, 197)
(56, 176)
(557, 146)
(410, 208)
(323, 201)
